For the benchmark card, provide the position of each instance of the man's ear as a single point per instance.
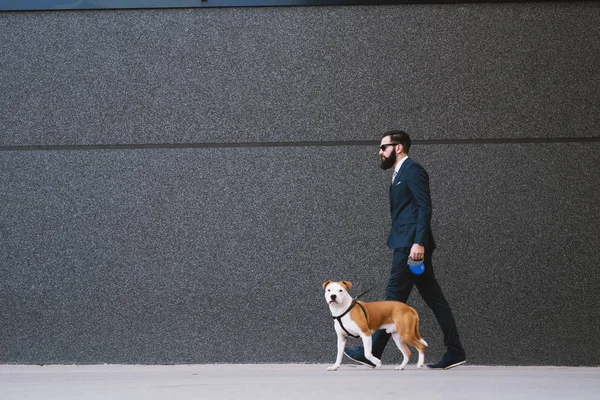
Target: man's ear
(346, 284)
(326, 283)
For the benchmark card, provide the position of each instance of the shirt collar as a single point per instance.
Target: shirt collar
(399, 165)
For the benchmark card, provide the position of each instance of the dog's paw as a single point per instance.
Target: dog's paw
(378, 364)
(333, 368)
(399, 368)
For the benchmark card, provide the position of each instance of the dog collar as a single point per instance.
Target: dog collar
(339, 317)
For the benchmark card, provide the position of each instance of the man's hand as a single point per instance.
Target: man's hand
(417, 252)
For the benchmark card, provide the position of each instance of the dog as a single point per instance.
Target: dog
(360, 319)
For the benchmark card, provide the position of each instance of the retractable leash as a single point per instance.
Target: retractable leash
(416, 267)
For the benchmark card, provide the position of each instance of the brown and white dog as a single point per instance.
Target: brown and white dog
(360, 319)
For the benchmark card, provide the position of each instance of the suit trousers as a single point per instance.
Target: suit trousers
(400, 285)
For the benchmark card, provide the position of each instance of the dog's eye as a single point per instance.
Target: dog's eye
(340, 290)
(329, 290)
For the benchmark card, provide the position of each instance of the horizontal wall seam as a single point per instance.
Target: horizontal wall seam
(142, 146)
(56, 5)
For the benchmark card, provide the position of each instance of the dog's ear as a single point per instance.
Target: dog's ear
(347, 284)
(326, 283)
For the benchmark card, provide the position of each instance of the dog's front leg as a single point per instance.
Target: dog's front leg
(341, 345)
(368, 348)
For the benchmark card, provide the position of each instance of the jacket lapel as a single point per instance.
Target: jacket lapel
(398, 178)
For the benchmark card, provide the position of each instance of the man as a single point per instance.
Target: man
(410, 236)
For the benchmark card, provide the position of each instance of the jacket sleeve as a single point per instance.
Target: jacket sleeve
(418, 184)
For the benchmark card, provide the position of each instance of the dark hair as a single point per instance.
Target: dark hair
(399, 137)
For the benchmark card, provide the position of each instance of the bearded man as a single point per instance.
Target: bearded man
(411, 237)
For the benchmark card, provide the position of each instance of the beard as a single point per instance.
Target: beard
(388, 162)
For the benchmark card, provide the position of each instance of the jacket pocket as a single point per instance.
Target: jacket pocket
(405, 221)
(405, 231)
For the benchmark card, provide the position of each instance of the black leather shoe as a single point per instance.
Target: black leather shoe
(358, 355)
(448, 361)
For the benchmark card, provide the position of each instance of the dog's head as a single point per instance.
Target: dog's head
(336, 292)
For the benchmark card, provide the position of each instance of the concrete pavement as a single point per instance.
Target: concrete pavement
(294, 381)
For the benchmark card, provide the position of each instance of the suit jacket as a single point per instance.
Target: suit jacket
(410, 207)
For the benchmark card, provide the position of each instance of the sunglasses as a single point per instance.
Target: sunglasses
(384, 146)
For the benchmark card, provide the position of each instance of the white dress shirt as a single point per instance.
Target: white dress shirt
(398, 167)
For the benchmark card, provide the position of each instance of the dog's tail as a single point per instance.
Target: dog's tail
(417, 332)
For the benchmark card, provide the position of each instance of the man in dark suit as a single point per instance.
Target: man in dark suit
(410, 236)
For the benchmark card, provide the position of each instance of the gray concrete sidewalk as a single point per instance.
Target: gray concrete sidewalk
(293, 381)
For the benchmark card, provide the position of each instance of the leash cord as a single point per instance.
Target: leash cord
(363, 293)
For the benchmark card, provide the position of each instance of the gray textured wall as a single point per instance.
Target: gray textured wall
(172, 226)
